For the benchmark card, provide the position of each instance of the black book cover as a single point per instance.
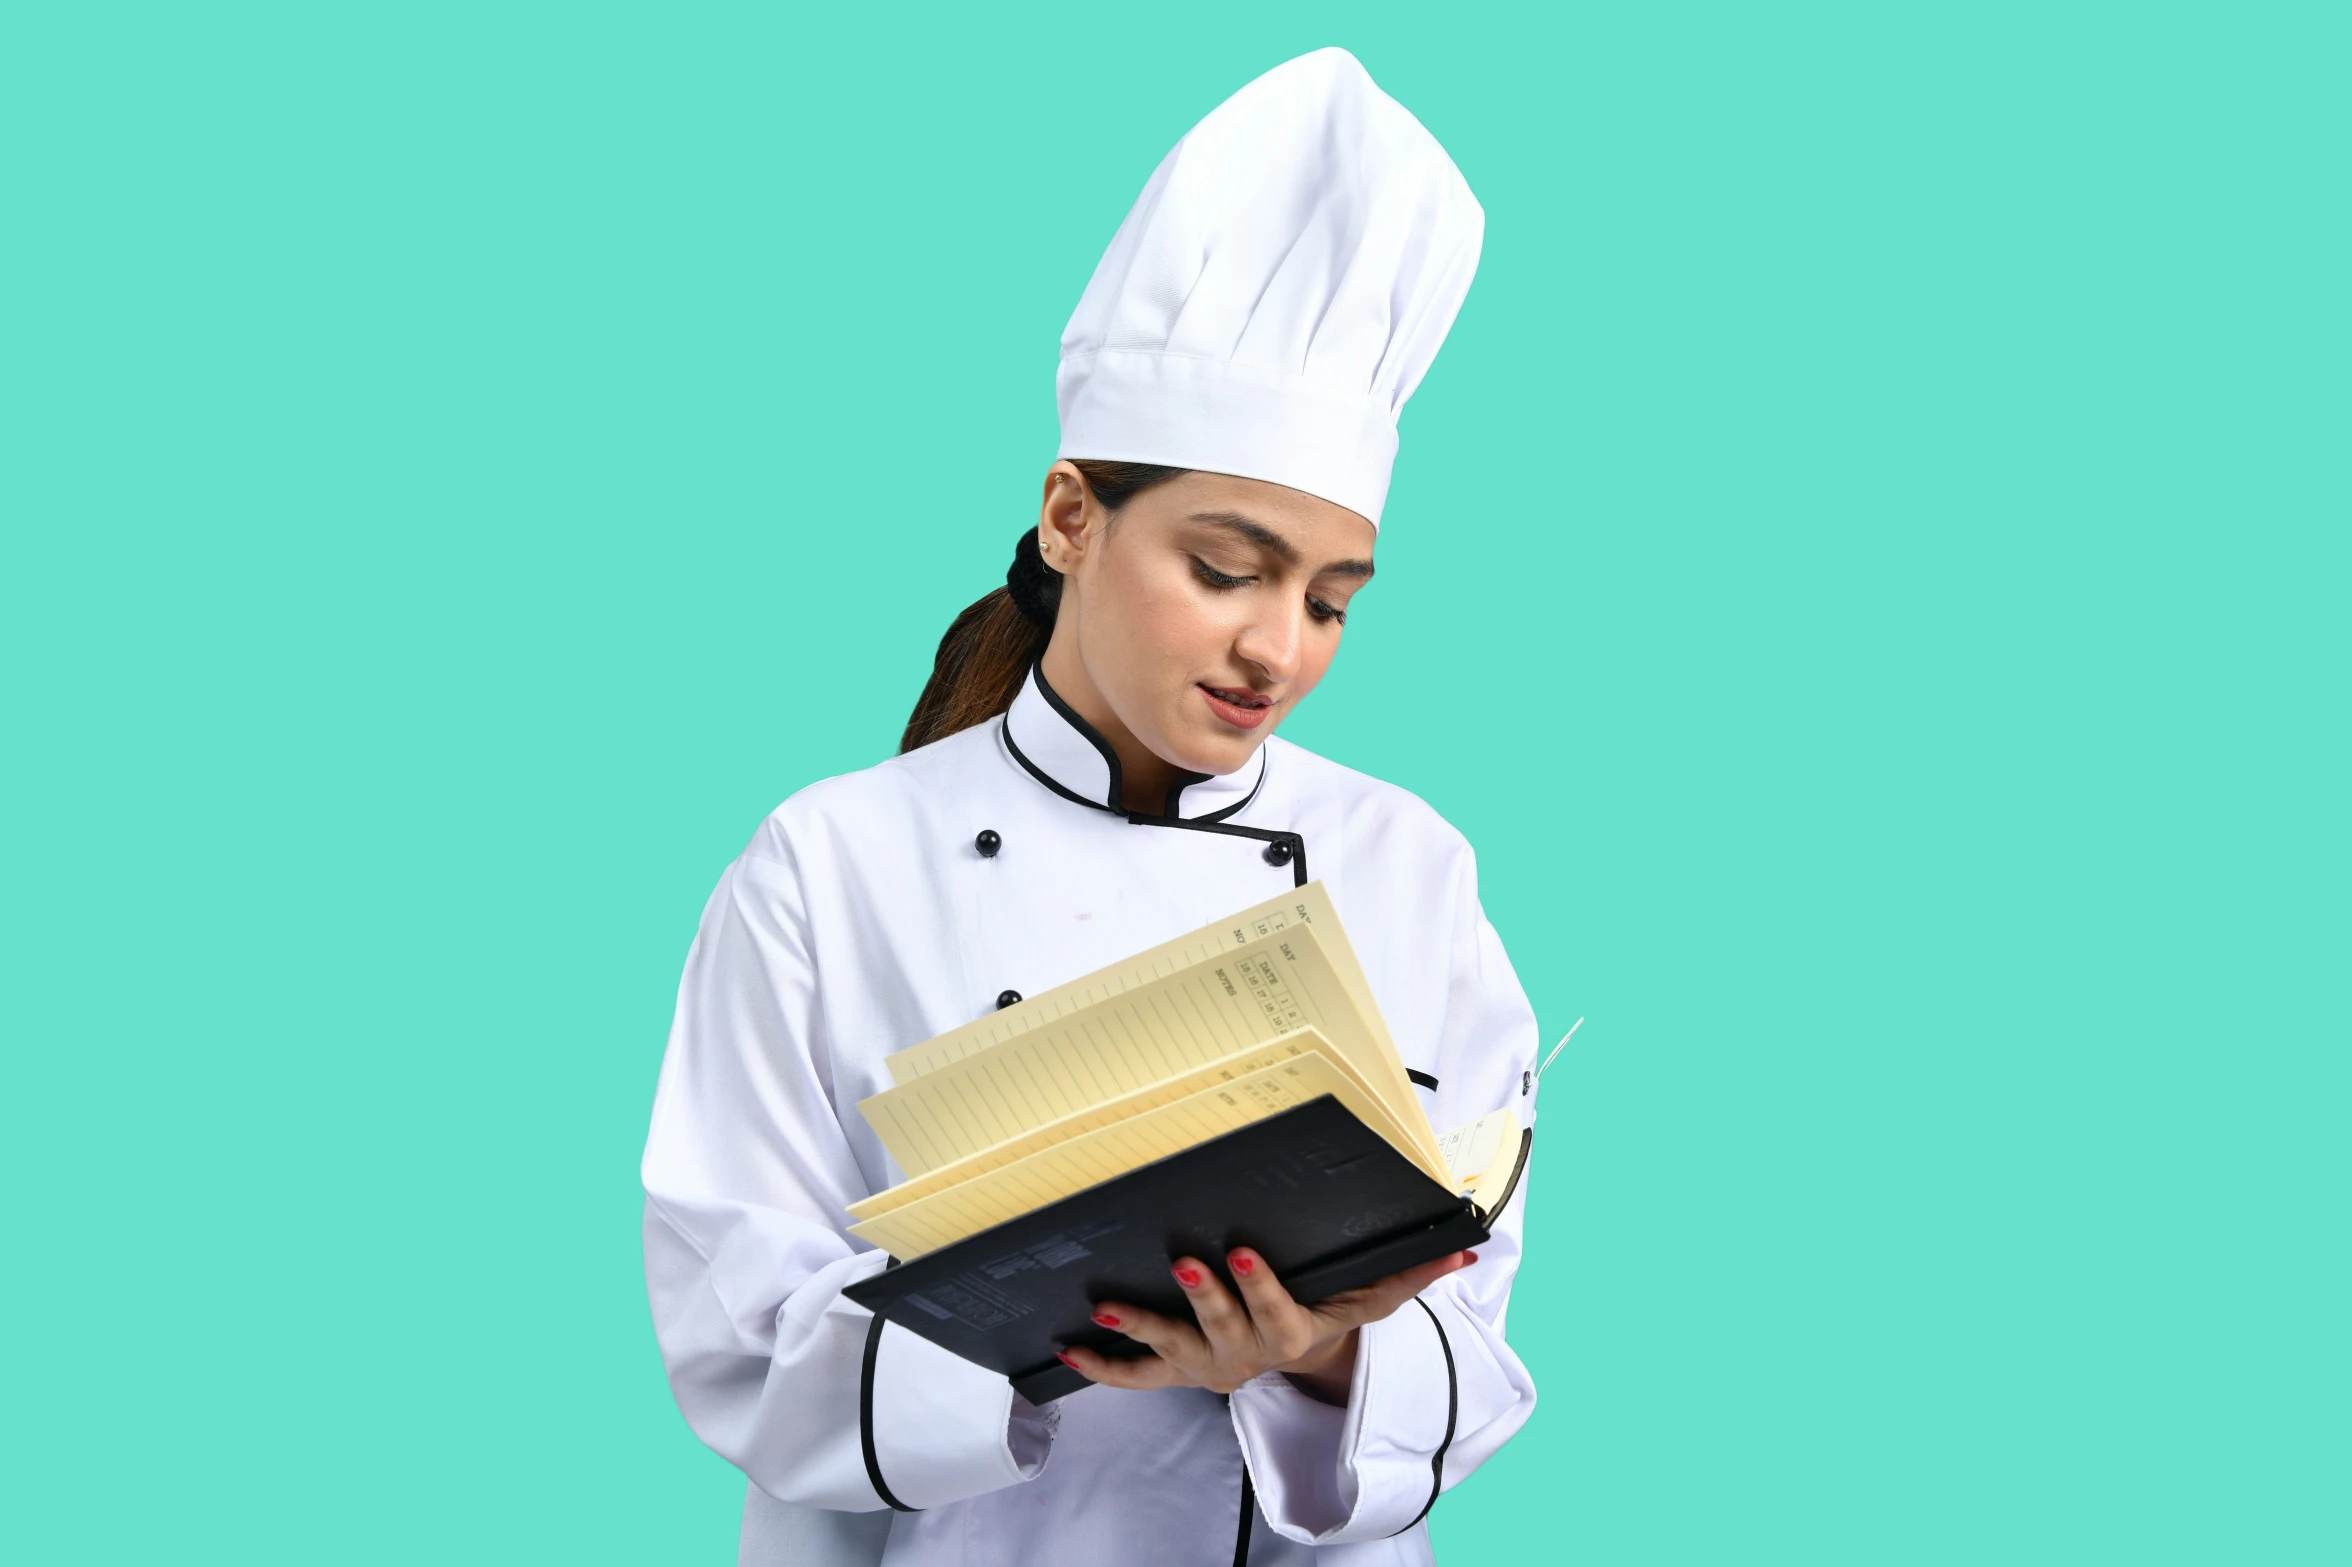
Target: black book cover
(1324, 1198)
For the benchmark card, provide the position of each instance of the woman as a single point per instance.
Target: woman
(1091, 771)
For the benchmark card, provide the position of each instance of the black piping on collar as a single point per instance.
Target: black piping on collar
(1053, 699)
(1176, 794)
(1046, 778)
(1184, 781)
(1217, 823)
(1187, 780)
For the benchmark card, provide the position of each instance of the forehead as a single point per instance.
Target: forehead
(1317, 528)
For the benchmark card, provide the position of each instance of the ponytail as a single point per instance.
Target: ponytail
(990, 647)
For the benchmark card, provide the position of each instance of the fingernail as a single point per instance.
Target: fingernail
(1244, 1263)
(1106, 1319)
(1188, 1277)
(1468, 1258)
(1065, 1360)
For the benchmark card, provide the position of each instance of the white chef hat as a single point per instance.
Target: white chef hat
(1277, 291)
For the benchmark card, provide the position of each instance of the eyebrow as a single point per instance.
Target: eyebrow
(1258, 533)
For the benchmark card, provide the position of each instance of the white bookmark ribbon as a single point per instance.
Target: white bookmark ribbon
(1562, 1045)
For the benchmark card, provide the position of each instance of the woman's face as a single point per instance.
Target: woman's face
(1204, 616)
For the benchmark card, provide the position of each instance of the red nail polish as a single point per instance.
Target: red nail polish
(1188, 1277)
(1468, 1258)
(1065, 1360)
(1106, 1319)
(1244, 1264)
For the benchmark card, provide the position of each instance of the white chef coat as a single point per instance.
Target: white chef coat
(866, 917)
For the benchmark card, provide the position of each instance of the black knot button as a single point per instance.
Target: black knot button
(1007, 998)
(988, 843)
(1526, 1084)
(1278, 852)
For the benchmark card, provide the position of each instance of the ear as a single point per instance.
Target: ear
(1064, 521)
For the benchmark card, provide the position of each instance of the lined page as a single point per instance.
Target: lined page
(1255, 1059)
(1094, 1157)
(1309, 905)
(1188, 1020)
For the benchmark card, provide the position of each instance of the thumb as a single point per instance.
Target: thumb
(1354, 1308)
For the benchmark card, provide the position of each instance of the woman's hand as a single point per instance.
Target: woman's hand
(1265, 1330)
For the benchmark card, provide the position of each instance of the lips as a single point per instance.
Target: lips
(1237, 705)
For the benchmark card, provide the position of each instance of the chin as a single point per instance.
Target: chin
(1217, 754)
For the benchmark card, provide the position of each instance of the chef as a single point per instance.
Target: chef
(1094, 769)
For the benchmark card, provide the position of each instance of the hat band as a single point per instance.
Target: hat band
(1138, 405)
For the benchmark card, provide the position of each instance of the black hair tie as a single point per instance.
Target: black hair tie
(1036, 587)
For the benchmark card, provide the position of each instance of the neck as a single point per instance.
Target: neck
(1144, 776)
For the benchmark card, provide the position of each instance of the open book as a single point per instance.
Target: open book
(1234, 1086)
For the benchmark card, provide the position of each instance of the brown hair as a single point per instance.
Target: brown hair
(988, 648)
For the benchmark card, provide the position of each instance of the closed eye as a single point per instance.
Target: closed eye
(1221, 582)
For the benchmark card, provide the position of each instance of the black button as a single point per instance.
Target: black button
(988, 843)
(1526, 1082)
(1278, 852)
(1006, 998)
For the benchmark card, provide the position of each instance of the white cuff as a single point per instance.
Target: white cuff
(944, 1429)
(1404, 1410)
(1291, 1444)
(1325, 1476)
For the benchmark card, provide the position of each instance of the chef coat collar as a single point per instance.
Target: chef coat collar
(1069, 756)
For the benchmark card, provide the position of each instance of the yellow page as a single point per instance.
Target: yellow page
(1309, 905)
(1470, 1148)
(1481, 1156)
(1242, 1064)
(1180, 1023)
(1094, 1157)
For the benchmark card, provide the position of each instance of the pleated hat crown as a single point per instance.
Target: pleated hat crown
(1277, 291)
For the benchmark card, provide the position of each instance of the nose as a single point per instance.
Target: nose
(1274, 641)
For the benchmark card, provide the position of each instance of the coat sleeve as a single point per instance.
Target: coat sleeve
(1437, 1391)
(747, 1173)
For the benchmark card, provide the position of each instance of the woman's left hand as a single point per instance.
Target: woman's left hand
(1265, 1330)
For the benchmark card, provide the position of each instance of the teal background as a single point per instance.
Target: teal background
(1868, 573)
